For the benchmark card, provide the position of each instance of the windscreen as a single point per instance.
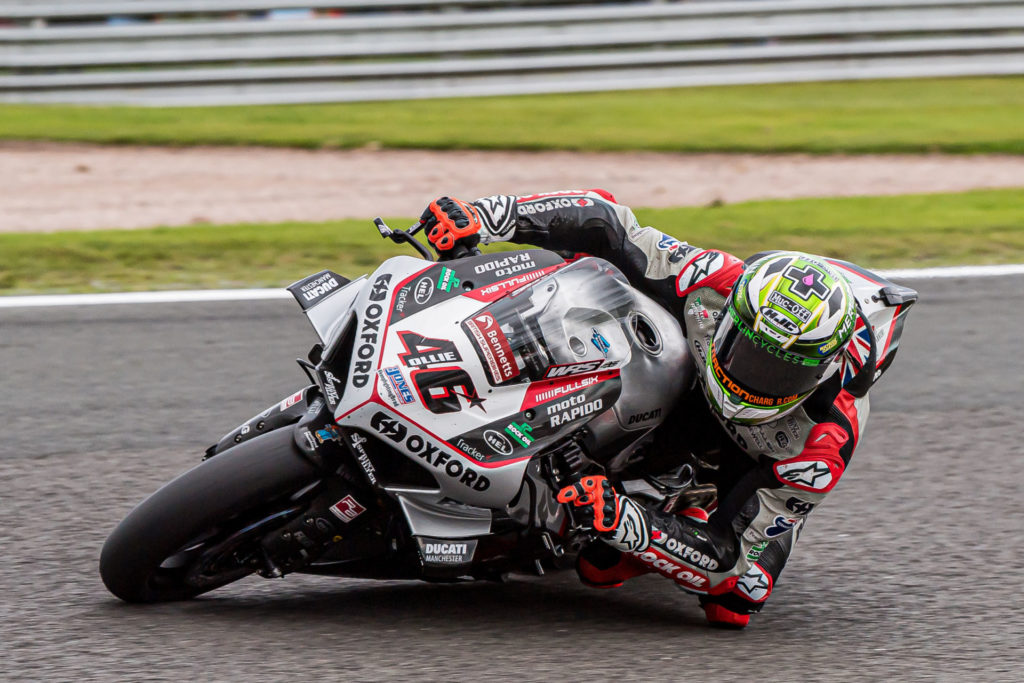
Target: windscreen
(574, 321)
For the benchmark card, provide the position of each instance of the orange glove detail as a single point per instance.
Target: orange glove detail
(598, 501)
(449, 220)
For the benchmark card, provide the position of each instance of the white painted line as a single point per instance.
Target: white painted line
(187, 296)
(953, 271)
(190, 296)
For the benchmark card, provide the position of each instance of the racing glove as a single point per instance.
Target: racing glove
(449, 222)
(618, 521)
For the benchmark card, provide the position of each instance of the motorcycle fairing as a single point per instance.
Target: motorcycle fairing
(885, 305)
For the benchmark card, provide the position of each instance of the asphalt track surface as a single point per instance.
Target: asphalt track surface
(911, 570)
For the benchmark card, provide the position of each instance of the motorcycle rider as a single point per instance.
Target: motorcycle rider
(778, 404)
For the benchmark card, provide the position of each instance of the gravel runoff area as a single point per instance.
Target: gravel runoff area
(49, 187)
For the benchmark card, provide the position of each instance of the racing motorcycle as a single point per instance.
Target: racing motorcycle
(447, 404)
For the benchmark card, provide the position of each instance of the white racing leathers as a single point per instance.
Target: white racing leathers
(770, 476)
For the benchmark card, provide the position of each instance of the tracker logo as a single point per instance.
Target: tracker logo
(389, 427)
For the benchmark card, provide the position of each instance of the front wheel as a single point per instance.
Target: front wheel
(200, 531)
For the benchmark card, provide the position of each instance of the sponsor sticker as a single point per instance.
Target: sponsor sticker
(291, 400)
(423, 291)
(446, 281)
(347, 509)
(509, 265)
(813, 475)
(779, 320)
(499, 289)
(443, 551)
(780, 525)
(640, 418)
(471, 450)
(369, 332)
(399, 388)
(572, 409)
(522, 433)
(358, 441)
(494, 346)
(421, 351)
(313, 290)
(600, 342)
(798, 311)
(328, 433)
(799, 507)
(429, 452)
(567, 369)
(498, 442)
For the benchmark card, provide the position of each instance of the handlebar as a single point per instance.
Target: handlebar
(406, 236)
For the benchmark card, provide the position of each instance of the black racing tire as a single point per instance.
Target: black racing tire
(208, 496)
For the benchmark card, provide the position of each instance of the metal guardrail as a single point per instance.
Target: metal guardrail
(57, 52)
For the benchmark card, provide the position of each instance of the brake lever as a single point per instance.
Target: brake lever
(403, 236)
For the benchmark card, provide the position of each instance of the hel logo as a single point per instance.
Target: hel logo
(347, 509)
(424, 290)
(498, 442)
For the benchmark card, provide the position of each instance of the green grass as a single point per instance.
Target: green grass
(966, 115)
(877, 232)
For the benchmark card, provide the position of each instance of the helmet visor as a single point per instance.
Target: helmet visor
(757, 371)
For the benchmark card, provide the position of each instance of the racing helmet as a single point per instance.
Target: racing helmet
(784, 326)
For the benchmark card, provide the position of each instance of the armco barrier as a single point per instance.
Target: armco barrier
(205, 52)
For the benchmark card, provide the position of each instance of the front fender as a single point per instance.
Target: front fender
(285, 412)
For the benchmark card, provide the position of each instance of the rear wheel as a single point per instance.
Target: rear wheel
(202, 530)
